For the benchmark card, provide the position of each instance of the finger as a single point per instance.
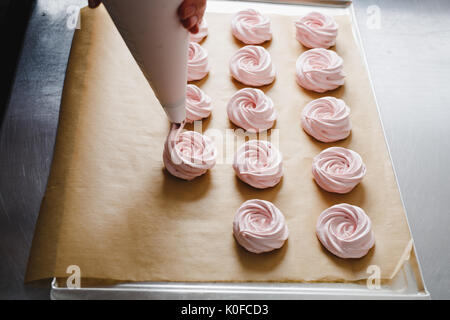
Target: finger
(194, 29)
(201, 10)
(94, 3)
(186, 10)
(190, 22)
(185, 23)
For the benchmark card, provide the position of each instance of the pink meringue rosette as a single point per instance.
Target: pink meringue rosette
(197, 66)
(252, 66)
(320, 70)
(251, 110)
(259, 164)
(338, 169)
(201, 34)
(316, 30)
(327, 119)
(345, 231)
(188, 154)
(251, 27)
(198, 104)
(259, 226)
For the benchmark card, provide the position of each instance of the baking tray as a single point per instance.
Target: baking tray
(407, 284)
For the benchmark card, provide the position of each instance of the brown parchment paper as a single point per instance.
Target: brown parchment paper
(112, 209)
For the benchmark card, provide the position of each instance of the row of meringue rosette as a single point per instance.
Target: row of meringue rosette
(259, 226)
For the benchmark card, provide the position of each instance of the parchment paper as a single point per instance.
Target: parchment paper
(112, 209)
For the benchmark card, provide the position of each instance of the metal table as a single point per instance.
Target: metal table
(406, 42)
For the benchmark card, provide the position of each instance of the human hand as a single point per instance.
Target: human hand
(94, 3)
(190, 12)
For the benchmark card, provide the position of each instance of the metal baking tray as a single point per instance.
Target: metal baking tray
(408, 283)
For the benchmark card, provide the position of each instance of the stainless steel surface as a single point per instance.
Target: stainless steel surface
(410, 69)
(27, 136)
(408, 59)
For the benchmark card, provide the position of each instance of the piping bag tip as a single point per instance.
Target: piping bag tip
(176, 125)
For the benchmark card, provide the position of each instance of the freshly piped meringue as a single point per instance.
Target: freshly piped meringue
(188, 154)
(338, 169)
(259, 164)
(202, 32)
(197, 66)
(259, 226)
(252, 66)
(327, 119)
(316, 30)
(251, 27)
(198, 104)
(345, 231)
(251, 110)
(320, 70)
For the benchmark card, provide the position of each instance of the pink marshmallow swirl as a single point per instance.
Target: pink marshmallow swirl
(197, 66)
(320, 70)
(338, 169)
(188, 154)
(259, 226)
(327, 119)
(251, 110)
(259, 164)
(345, 230)
(251, 27)
(316, 30)
(198, 104)
(252, 66)
(202, 32)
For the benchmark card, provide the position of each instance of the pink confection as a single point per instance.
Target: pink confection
(338, 169)
(251, 110)
(198, 104)
(252, 66)
(259, 226)
(197, 66)
(345, 230)
(259, 164)
(316, 30)
(251, 27)
(202, 32)
(188, 154)
(327, 119)
(320, 70)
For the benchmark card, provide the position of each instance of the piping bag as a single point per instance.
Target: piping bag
(159, 44)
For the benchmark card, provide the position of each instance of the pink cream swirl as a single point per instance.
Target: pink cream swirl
(259, 226)
(197, 66)
(251, 27)
(320, 70)
(259, 164)
(251, 110)
(252, 66)
(345, 231)
(188, 154)
(202, 32)
(327, 119)
(316, 30)
(198, 104)
(338, 169)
